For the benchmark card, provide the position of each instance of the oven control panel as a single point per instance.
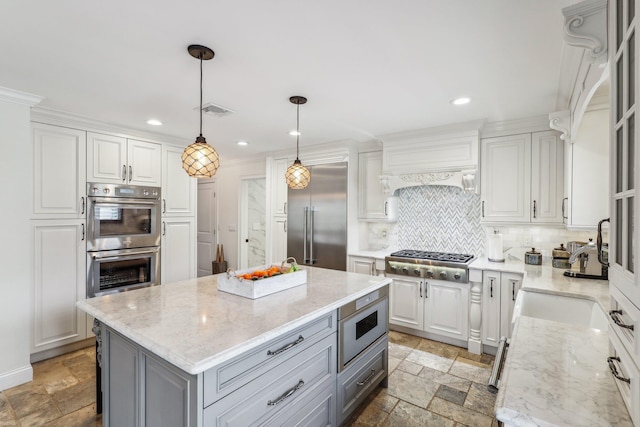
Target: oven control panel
(435, 272)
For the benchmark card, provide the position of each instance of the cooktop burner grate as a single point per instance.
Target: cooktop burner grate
(434, 256)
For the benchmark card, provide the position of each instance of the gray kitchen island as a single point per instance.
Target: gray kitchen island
(186, 354)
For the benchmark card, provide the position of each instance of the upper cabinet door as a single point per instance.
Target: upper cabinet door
(624, 54)
(279, 186)
(547, 178)
(59, 172)
(106, 159)
(371, 199)
(505, 178)
(179, 190)
(143, 163)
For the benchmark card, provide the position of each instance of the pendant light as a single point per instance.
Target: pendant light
(199, 159)
(297, 175)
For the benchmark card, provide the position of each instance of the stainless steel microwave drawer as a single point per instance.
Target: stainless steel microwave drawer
(299, 378)
(229, 376)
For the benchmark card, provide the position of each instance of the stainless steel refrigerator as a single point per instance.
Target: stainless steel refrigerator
(317, 218)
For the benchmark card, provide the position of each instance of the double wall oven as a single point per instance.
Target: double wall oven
(123, 238)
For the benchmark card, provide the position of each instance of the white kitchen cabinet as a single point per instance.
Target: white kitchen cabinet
(447, 309)
(522, 178)
(117, 160)
(406, 303)
(279, 187)
(179, 190)
(178, 255)
(59, 171)
(499, 292)
(59, 251)
(279, 240)
(362, 265)
(373, 204)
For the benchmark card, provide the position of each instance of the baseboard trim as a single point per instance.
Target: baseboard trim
(68, 348)
(16, 377)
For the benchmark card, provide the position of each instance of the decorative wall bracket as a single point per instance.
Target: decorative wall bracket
(561, 121)
(585, 26)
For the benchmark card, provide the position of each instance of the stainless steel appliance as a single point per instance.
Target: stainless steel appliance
(432, 265)
(122, 216)
(123, 238)
(317, 218)
(122, 270)
(361, 324)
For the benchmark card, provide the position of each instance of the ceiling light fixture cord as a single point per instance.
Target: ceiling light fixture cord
(298, 132)
(201, 53)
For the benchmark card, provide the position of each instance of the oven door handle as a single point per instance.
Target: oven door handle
(125, 255)
(113, 202)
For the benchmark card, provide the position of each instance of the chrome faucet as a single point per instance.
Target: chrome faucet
(574, 255)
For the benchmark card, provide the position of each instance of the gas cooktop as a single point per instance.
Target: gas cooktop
(433, 256)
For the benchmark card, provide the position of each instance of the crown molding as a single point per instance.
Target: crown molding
(71, 120)
(513, 127)
(19, 97)
(470, 128)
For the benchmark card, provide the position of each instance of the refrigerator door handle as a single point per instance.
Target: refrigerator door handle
(304, 235)
(311, 260)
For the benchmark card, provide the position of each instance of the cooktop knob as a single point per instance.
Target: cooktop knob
(405, 269)
(457, 276)
(443, 274)
(106, 190)
(94, 190)
(392, 267)
(417, 271)
(429, 273)
(145, 192)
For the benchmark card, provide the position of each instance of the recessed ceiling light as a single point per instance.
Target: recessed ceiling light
(154, 122)
(294, 133)
(243, 143)
(461, 101)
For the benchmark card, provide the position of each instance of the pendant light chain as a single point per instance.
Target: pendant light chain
(298, 132)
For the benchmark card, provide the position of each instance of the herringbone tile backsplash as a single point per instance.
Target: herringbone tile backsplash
(440, 218)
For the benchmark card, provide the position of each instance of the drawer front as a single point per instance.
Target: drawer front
(624, 319)
(626, 369)
(356, 382)
(303, 374)
(222, 380)
(312, 410)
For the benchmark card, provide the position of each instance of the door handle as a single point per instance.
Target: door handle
(534, 209)
(513, 290)
(164, 228)
(385, 208)
(311, 260)
(566, 199)
(82, 232)
(124, 173)
(285, 225)
(483, 209)
(82, 201)
(304, 235)
(491, 288)
(420, 287)
(164, 205)
(130, 173)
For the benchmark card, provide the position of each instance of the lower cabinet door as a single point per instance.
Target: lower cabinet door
(356, 382)
(120, 386)
(406, 303)
(447, 309)
(295, 380)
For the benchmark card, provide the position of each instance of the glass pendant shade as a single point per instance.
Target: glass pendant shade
(200, 160)
(297, 175)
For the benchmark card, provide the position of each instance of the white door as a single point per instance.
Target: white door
(406, 303)
(547, 177)
(253, 222)
(178, 188)
(278, 239)
(505, 178)
(491, 308)
(106, 158)
(511, 284)
(178, 258)
(144, 163)
(362, 265)
(59, 281)
(207, 226)
(447, 309)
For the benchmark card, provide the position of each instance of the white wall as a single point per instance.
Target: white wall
(16, 176)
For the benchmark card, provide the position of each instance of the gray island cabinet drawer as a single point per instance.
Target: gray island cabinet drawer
(279, 393)
(224, 379)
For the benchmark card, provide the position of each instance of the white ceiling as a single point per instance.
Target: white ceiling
(368, 67)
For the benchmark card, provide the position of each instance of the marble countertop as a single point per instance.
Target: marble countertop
(195, 327)
(556, 374)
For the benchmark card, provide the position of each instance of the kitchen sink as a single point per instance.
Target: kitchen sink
(560, 308)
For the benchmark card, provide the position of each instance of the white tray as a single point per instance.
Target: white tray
(259, 288)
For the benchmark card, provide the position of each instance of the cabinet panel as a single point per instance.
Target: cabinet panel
(178, 189)
(178, 258)
(547, 179)
(370, 196)
(510, 285)
(505, 178)
(317, 410)
(59, 168)
(491, 308)
(278, 239)
(362, 265)
(106, 158)
(279, 186)
(121, 383)
(143, 163)
(169, 395)
(406, 306)
(59, 281)
(447, 309)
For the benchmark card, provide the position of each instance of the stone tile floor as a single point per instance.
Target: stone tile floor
(430, 384)
(62, 394)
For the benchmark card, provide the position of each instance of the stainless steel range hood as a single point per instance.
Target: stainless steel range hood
(446, 155)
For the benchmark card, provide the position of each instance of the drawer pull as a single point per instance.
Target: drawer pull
(614, 371)
(286, 394)
(366, 380)
(614, 316)
(286, 347)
